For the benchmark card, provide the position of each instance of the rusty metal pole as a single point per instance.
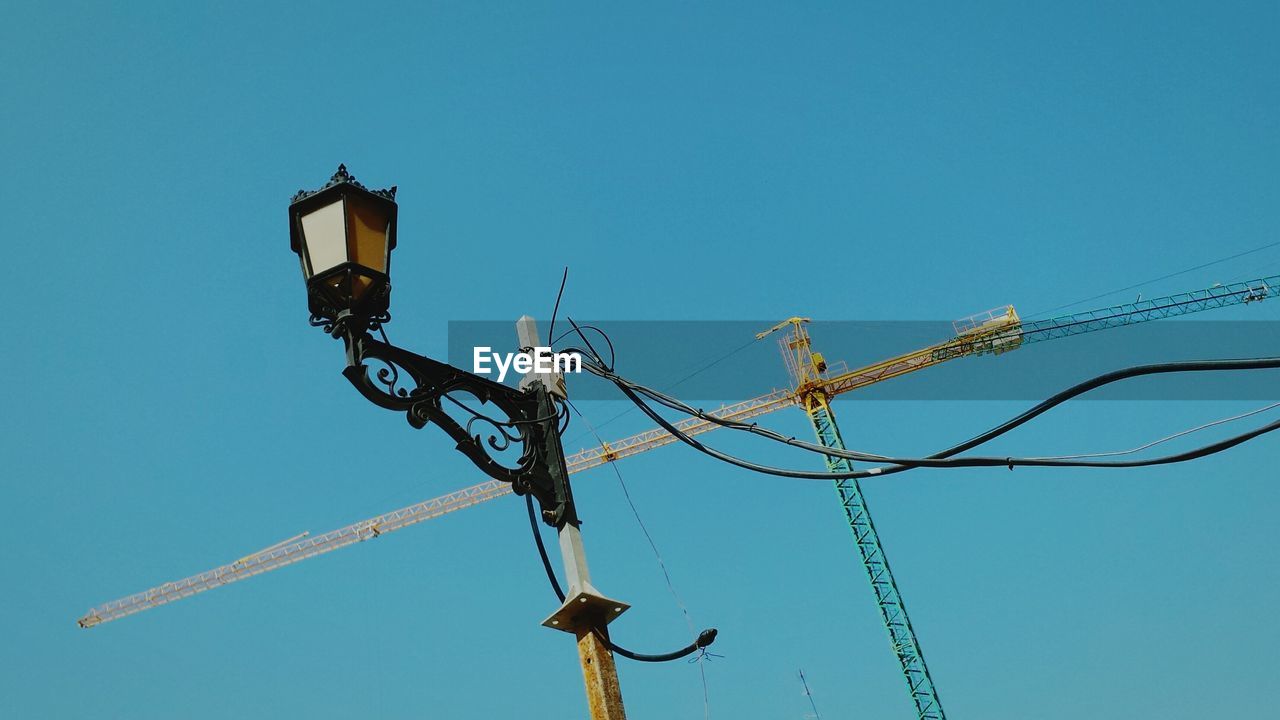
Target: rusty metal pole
(604, 694)
(586, 611)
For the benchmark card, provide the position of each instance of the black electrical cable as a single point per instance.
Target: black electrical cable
(567, 333)
(564, 421)
(677, 383)
(901, 464)
(705, 638)
(551, 331)
(542, 549)
(578, 329)
(943, 459)
(675, 404)
(1091, 384)
(1059, 398)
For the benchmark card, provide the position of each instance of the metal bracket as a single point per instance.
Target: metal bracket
(525, 421)
(585, 610)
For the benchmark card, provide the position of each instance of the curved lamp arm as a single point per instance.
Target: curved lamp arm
(530, 420)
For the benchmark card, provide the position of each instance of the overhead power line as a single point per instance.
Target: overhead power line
(1167, 438)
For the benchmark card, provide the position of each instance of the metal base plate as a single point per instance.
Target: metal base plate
(585, 609)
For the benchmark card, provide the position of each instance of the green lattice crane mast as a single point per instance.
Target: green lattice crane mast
(811, 377)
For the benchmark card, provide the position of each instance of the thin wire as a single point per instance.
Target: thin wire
(1154, 280)
(674, 385)
(700, 644)
(1260, 271)
(1167, 438)
(809, 695)
(551, 331)
(612, 360)
(706, 701)
(627, 494)
(706, 698)
(600, 332)
(594, 353)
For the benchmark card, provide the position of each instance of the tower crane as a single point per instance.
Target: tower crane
(814, 384)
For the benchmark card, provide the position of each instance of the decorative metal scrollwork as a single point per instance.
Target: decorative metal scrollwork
(527, 429)
(337, 327)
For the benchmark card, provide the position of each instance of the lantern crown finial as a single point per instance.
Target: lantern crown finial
(343, 176)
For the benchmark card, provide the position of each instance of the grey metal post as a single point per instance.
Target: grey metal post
(586, 611)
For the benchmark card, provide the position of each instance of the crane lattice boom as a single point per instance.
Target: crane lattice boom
(290, 552)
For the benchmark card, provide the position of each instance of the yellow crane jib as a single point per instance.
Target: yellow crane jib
(796, 321)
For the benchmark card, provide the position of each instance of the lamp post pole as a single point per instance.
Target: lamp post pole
(585, 612)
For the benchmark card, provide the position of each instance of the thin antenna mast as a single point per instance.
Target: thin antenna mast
(813, 715)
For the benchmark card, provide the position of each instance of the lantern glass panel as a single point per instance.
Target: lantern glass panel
(367, 224)
(325, 238)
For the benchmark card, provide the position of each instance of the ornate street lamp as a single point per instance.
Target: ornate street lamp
(344, 234)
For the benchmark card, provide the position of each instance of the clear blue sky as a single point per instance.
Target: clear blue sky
(167, 409)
